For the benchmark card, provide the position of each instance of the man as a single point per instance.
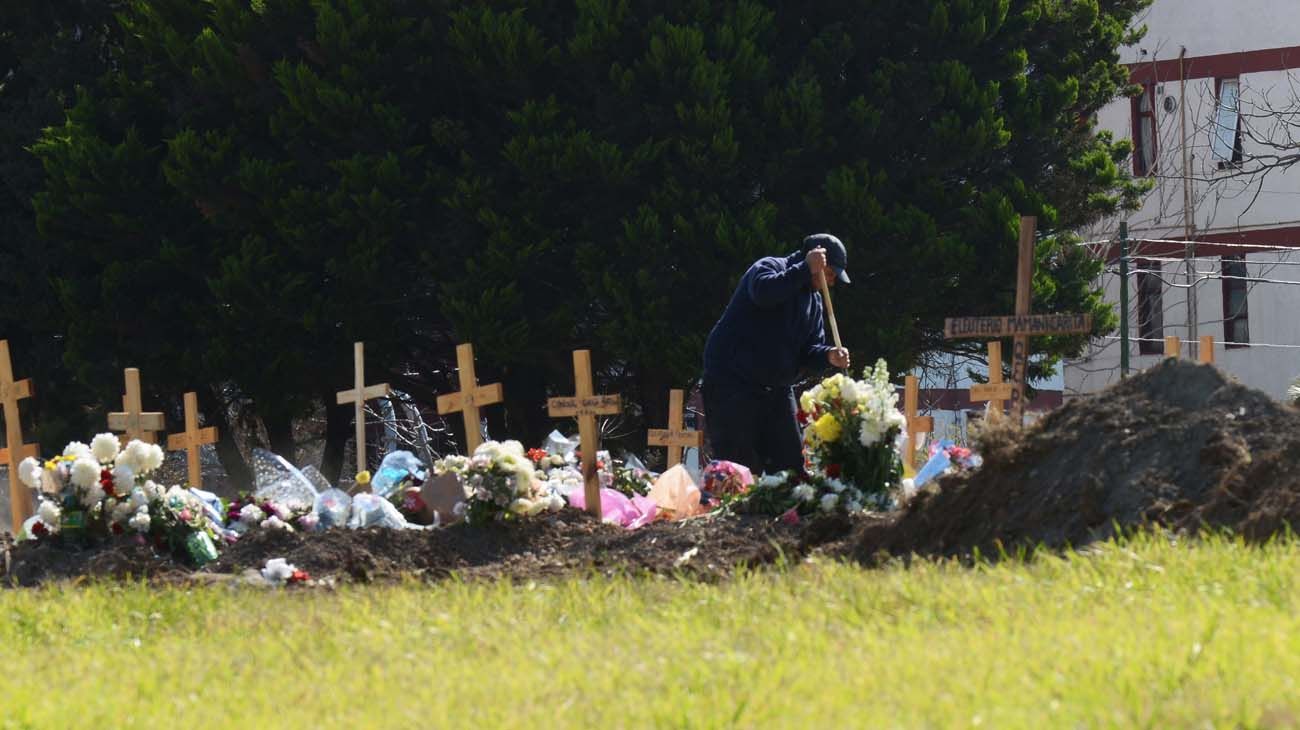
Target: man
(772, 329)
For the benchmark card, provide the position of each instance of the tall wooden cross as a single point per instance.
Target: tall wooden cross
(358, 395)
(192, 438)
(586, 405)
(916, 424)
(1022, 325)
(675, 437)
(133, 421)
(471, 396)
(995, 391)
(12, 391)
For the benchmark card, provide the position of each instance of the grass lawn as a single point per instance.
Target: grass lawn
(1145, 634)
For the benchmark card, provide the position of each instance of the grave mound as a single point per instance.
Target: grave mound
(1178, 446)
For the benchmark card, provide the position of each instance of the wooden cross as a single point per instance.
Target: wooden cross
(916, 424)
(358, 395)
(471, 396)
(1022, 325)
(135, 423)
(12, 391)
(675, 437)
(995, 391)
(192, 438)
(1205, 355)
(586, 405)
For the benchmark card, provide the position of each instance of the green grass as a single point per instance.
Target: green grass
(1146, 634)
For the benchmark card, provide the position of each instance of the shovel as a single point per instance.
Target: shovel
(830, 308)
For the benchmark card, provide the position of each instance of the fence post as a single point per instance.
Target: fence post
(1123, 299)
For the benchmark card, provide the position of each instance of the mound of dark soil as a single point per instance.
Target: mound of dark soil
(569, 543)
(1178, 446)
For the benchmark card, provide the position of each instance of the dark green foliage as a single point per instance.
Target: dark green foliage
(254, 185)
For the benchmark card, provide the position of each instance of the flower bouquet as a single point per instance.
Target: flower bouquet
(102, 490)
(500, 483)
(850, 434)
(247, 512)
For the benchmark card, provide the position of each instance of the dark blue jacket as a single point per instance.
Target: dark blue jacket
(771, 329)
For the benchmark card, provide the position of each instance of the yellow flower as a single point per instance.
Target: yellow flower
(363, 478)
(828, 429)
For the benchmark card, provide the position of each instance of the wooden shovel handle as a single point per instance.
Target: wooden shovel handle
(830, 308)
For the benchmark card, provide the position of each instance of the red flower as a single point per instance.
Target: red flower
(40, 530)
(537, 455)
(791, 516)
(299, 576)
(833, 471)
(117, 528)
(802, 417)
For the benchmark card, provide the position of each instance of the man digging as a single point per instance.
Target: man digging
(771, 330)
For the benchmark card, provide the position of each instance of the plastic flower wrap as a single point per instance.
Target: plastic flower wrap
(500, 482)
(850, 430)
(791, 492)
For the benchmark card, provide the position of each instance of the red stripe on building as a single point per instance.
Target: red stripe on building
(1217, 66)
(1213, 244)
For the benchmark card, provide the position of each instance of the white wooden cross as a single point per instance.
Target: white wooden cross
(586, 405)
(675, 437)
(995, 391)
(471, 396)
(192, 438)
(916, 424)
(133, 422)
(12, 391)
(1022, 325)
(358, 395)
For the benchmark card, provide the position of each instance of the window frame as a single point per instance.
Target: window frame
(1140, 166)
(1150, 338)
(1235, 160)
(1231, 319)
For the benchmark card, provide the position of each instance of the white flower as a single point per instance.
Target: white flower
(134, 455)
(280, 511)
(829, 501)
(275, 523)
(251, 515)
(78, 450)
(153, 458)
(835, 485)
(460, 509)
(92, 495)
(29, 472)
(123, 477)
(521, 506)
(104, 447)
(772, 480)
(49, 513)
(554, 502)
(805, 493)
(853, 507)
(152, 490)
(123, 511)
(140, 522)
(85, 472)
(278, 570)
(139, 498)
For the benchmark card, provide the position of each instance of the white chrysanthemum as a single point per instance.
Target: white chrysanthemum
(772, 480)
(554, 502)
(140, 521)
(122, 511)
(85, 473)
(805, 493)
(123, 477)
(153, 490)
(92, 496)
(251, 514)
(829, 501)
(138, 498)
(835, 485)
(134, 455)
(78, 450)
(104, 447)
(278, 570)
(521, 506)
(853, 507)
(29, 472)
(153, 458)
(49, 513)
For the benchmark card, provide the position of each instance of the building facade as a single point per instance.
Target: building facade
(1215, 248)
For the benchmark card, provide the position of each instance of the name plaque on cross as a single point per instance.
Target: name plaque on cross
(955, 328)
(596, 405)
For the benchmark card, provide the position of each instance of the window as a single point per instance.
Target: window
(1225, 135)
(1144, 132)
(1236, 313)
(1150, 308)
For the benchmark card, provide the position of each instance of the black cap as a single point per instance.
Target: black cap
(835, 254)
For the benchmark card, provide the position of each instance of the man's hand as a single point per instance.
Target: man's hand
(816, 260)
(838, 357)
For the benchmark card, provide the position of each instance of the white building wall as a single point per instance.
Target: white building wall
(1211, 202)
